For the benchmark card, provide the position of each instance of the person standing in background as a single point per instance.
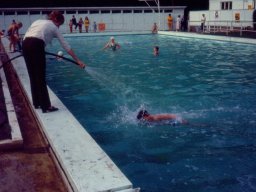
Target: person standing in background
(169, 22)
(94, 26)
(70, 26)
(80, 24)
(154, 29)
(86, 24)
(203, 20)
(178, 20)
(183, 23)
(74, 21)
(13, 35)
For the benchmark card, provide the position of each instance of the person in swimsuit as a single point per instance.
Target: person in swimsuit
(169, 22)
(13, 35)
(112, 44)
(86, 24)
(145, 116)
(154, 29)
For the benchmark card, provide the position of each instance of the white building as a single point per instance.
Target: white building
(114, 18)
(226, 14)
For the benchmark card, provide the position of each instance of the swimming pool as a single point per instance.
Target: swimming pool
(210, 83)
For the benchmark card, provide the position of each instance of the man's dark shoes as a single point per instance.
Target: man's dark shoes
(50, 109)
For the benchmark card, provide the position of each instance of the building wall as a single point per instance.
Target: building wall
(115, 19)
(236, 4)
(217, 17)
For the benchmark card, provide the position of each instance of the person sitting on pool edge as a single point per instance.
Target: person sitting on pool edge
(144, 115)
(112, 44)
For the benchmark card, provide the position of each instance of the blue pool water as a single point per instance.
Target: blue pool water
(211, 84)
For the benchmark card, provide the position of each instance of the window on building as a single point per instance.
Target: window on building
(94, 12)
(34, 12)
(22, 13)
(83, 12)
(127, 11)
(9, 13)
(137, 11)
(168, 10)
(226, 5)
(116, 11)
(148, 11)
(105, 11)
(71, 12)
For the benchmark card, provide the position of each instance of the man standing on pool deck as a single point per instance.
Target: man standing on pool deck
(39, 34)
(203, 20)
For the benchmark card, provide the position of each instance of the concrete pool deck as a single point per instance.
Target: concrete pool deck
(209, 37)
(84, 164)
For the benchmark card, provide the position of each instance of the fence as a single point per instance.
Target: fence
(235, 28)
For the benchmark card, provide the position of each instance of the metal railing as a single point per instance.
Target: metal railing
(226, 27)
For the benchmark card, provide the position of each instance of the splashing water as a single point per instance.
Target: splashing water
(115, 86)
(184, 80)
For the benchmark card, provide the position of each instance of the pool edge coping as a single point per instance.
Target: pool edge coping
(209, 37)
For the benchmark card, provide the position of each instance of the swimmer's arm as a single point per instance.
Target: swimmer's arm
(167, 116)
(107, 45)
(160, 117)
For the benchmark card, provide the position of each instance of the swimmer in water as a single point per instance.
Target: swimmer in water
(156, 50)
(112, 44)
(144, 115)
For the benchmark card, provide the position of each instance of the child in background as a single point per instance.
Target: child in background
(94, 26)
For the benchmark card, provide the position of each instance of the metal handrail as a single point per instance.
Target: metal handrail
(225, 26)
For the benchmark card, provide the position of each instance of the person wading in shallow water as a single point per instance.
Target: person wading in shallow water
(112, 44)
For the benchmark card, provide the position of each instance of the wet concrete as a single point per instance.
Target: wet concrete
(31, 167)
